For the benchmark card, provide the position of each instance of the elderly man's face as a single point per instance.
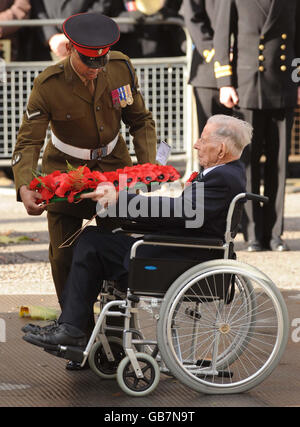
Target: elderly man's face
(208, 149)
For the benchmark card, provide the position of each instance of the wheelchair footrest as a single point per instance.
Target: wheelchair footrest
(67, 352)
(225, 374)
(207, 364)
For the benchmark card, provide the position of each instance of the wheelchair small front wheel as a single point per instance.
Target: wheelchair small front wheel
(128, 380)
(99, 361)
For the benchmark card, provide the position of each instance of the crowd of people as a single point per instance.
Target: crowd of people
(241, 73)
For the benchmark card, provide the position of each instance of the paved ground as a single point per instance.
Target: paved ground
(31, 377)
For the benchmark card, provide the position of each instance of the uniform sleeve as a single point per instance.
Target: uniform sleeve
(199, 27)
(226, 20)
(31, 137)
(141, 124)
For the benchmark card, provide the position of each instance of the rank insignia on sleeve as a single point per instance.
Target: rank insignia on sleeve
(16, 158)
(32, 115)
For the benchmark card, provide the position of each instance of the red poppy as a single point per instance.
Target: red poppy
(67, 185)
(191, 178)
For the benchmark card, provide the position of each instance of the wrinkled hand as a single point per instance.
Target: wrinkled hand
(58, 45)
(32, 201)
(105, 194)
(228, 96)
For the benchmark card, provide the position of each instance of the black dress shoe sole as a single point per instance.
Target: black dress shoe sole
(32, 340)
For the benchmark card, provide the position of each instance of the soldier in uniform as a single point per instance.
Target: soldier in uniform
(199, 16)
(84, 98)
(259, 83)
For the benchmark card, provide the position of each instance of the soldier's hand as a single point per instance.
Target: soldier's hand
(228, 96)
(32, 201)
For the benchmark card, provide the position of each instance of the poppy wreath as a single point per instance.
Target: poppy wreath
(67, 186)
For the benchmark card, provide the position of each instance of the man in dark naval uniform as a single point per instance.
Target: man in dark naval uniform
(200, 16)
(259, 82)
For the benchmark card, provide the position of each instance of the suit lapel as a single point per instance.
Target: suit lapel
(274, 15)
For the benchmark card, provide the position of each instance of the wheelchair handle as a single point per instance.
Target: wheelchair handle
(257, 198)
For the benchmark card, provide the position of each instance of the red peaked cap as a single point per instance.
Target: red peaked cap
(92, 34)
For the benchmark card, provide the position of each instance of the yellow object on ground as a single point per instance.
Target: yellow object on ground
(37, 312)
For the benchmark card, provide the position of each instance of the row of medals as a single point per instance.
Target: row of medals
(122, 96)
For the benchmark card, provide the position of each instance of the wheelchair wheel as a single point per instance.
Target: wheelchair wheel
(220, 341)
(99, 361)
(130, 383)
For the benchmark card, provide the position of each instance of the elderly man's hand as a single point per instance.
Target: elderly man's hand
(105, 194)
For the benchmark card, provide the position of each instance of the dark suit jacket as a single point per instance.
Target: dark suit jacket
(221, 185)
(266, 42)
(199, 16)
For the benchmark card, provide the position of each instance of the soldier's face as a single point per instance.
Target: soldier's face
(82, 69)
(209, 150)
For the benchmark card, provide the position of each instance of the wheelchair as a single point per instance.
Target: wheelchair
(217, 325)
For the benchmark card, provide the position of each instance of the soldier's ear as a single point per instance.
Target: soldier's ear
(69, 48)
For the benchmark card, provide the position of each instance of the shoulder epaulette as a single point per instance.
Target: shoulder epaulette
(116, 55)
(50, 71)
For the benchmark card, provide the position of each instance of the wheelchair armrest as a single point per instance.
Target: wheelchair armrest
(137, 228)
(182, 240)
(257, 198)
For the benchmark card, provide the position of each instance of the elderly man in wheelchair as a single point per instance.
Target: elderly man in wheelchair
(220, 325)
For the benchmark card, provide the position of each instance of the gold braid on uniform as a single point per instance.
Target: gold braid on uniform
(222, 70)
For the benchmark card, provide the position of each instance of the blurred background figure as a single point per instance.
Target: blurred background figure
(49, 41)
(258, 85)
(10, 40)
(141, 40)
(200, 17)
(137, 40)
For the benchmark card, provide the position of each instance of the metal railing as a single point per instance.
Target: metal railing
(163, 83)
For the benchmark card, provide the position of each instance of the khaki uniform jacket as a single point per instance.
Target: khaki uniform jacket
(60, 98)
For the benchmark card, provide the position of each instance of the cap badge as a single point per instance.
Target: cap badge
(100, 51)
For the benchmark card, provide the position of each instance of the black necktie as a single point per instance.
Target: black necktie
(199, 177)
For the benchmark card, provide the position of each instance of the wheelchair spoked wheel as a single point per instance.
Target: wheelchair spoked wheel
(99, 361)
(223, 327)
(130, 383)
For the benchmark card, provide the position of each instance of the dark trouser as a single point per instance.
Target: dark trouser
(97, 256)
(208, 104)
(61, 227)
(271, 137)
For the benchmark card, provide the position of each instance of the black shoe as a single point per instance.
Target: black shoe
(254, 246)
(37, 329)
(278, 245)
(76, 366)
(62, 334)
